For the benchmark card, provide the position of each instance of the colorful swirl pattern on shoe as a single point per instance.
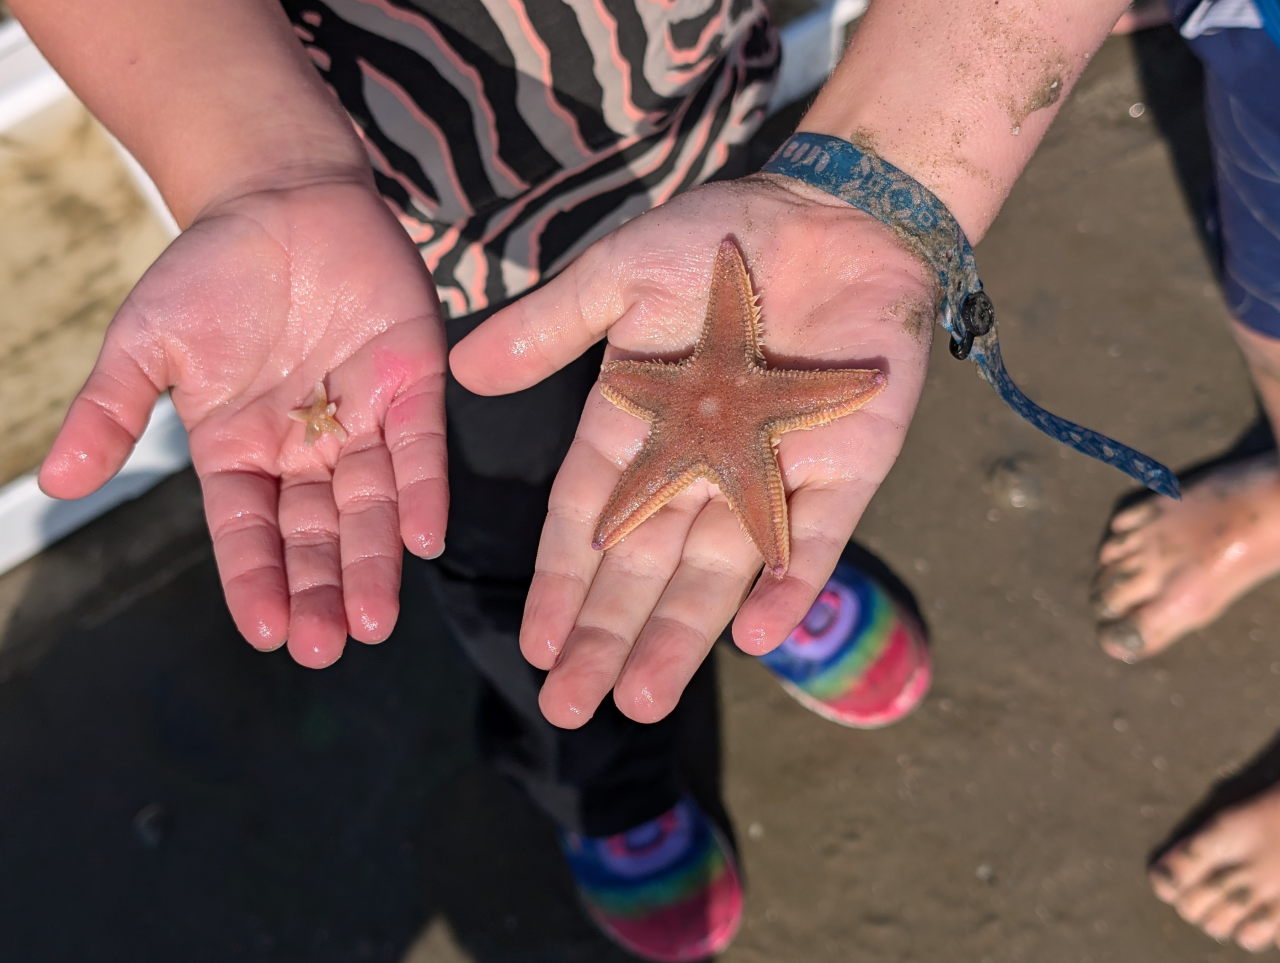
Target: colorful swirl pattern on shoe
(667, 890)
(857, 658)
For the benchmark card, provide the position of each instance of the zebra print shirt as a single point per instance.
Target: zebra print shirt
(507, 135)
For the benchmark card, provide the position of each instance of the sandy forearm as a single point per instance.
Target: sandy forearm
(212, 98)
(960, 94)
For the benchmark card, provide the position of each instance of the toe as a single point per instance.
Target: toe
(1120, 587)
(1237, 904)
(1136, 516)
(1257, 932)
(1181, 606)
(1151, 626)
(1122, 639)
(1119, 546)
(1163, 882)
(1195, 902)
(1176, 870)
(1185, 864)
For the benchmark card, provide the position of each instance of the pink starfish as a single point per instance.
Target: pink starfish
(718, 414)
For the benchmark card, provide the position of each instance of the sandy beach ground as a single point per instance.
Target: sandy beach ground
(168, 794)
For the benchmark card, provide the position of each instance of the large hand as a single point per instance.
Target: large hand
(256, 302)
(837, 290)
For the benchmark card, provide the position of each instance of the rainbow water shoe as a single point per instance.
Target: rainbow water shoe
(667, 890)
(858, 658)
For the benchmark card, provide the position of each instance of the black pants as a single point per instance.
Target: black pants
(504, 452)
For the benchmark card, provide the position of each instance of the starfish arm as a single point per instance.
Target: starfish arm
(640, 387)
(334, 427)
(312, 433)
(749, 478)
(659, 472)
(806, 399)
(731, 330)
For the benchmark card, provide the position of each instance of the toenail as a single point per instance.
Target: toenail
(1123, 635)
(1101, 608)
(1132, 643)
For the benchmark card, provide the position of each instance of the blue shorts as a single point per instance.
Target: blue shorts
(1242, 109)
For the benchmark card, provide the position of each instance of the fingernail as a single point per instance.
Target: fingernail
(427, 545)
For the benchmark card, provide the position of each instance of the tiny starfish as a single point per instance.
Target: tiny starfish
(318, 417)
(718, 414)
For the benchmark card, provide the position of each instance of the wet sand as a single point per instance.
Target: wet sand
(74, 236)
(169, 794)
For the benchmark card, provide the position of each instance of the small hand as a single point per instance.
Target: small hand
(837, 290)
(252, 306)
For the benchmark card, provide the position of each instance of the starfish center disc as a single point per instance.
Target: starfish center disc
(709, 407)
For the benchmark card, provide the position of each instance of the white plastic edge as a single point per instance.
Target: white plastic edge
(811, 48)
(29, 519)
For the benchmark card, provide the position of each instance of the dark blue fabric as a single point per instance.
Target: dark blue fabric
(1246, 155)
(1242, 108)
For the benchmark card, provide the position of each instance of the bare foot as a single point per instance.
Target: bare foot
(1226, 878)
(1169, 567)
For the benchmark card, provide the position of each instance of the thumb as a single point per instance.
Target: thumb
(104, 421)
(544, 330)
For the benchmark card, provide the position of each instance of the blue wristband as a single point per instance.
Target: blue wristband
(859, 177)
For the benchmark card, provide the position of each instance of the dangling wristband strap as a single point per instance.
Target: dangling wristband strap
(859, 177)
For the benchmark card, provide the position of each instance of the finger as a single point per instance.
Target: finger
(716, 568)
(658, 295)
(415, 436)
(628, 583)
(243, 512)
(822, 519)
(541, 332)
(566, 562)
(313, 567)
(369, 541)
(104, 421)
